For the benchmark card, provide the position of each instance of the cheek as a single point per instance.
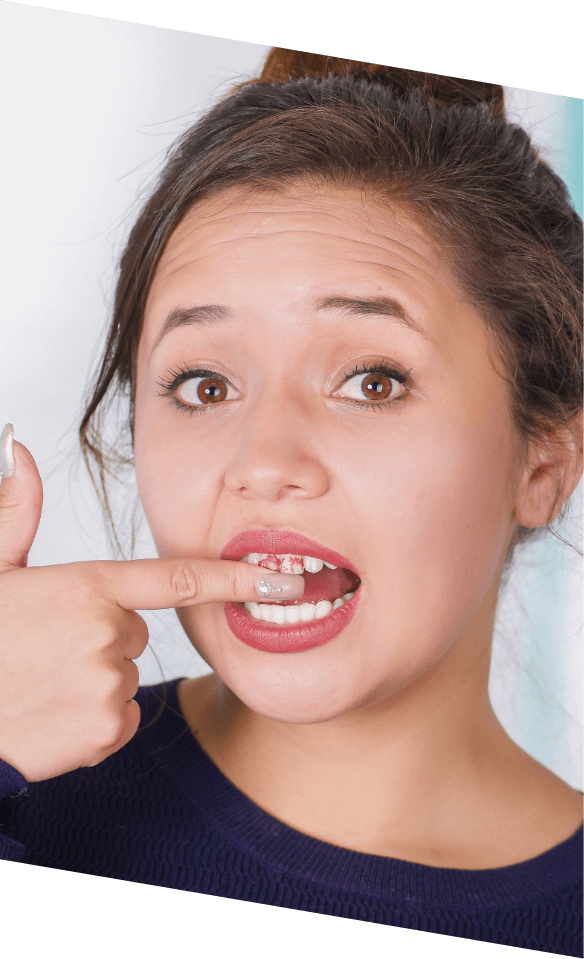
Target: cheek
(436, 504)
(176, 488)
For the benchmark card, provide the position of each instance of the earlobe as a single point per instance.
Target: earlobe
(551, 473)
(537, 501)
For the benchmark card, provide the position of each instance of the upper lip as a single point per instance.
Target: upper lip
(282, 541)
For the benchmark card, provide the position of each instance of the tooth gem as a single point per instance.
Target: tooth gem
(266, 588)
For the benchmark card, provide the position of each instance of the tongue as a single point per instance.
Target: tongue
(327, 584)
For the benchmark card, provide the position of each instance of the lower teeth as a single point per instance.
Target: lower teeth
(289, 615)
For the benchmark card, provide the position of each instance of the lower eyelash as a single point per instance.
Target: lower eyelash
(171, 386)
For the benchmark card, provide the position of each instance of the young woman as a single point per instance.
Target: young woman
(347, 322)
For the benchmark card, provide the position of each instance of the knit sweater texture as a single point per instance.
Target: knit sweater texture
(160, 812)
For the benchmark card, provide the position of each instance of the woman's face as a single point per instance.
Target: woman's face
(310, 298)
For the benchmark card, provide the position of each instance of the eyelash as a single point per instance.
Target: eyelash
(179, 376)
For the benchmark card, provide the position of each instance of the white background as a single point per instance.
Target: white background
(89, 106)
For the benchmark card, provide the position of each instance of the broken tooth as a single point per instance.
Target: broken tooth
(278, 562)
(287, 562)
(291, 564)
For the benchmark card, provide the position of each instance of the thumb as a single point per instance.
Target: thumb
(21, 501)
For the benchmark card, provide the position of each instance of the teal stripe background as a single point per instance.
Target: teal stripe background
(535, 684)
(572, 159)
(552, 596)
(571, 169)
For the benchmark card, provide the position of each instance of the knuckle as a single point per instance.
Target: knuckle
(139, 632)
(111, 729)
(110, 685)
(102, 635)
(235, 582)
(184, 583)
(133, 677)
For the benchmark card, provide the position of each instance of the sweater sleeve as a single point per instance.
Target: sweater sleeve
(12, 784)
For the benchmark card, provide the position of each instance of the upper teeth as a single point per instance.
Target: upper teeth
(287, 562)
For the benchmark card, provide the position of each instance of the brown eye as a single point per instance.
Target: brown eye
(377, 386)
(202, 390)
(373, 384)
(195, 390)
(191, 389)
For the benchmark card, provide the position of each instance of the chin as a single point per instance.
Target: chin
(295, 695)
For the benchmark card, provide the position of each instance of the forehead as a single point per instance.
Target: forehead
(269, 257)
(306, 228)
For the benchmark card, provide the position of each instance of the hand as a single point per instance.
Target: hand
(69, 634)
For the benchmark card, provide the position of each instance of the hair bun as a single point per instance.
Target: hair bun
(282, 65)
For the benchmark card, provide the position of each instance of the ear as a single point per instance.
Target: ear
(551, 473)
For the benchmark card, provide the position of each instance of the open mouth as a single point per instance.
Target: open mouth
(327, 588)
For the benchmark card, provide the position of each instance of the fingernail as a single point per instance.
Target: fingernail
(6, 452)
(277, 586)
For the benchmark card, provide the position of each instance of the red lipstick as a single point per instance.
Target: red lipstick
(282, 541)
(299, 637)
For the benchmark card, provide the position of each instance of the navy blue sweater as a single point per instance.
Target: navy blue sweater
(160, 812)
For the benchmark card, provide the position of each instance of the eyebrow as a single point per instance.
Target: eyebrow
(210, 313)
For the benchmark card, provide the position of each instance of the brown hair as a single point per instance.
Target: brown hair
(440, 147)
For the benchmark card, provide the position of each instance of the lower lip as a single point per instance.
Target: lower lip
(270, 638)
